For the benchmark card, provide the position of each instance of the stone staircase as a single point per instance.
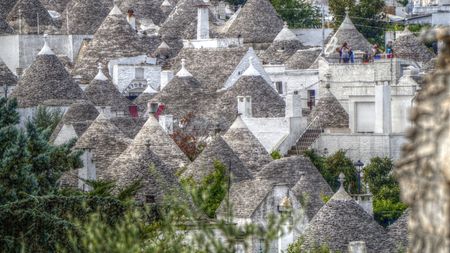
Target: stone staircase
(311, 134)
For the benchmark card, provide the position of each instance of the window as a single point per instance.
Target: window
(279, 87)
(150, 199)
(311, 98)
(154, 107)
(365, 112)
(139, 74)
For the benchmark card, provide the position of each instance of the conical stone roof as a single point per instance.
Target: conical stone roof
(84, 17)
(408, 46)
(144, 9)
(217, 150)
(330, 112)
(55, 5)
(80, 115)
(341, 221)
(302, 177)
(102, 92)
(303, 59)
(128, 125)
(193, 99)
(347, 32)
(141, 163)
(106, 141)
(30, 10)
(398, 231)
(211, 66)
(181, 23)
(143, 99)
(265, 100)
(284, 46)
(153, 136)
(47, 81)
(114, 39)
(6, 7)
(246, 196)
(257, 22)
(247, 147)
(6, 76)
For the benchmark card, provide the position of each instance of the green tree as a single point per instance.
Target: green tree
(46, 120)
(34, 214)
(330, 167)
(364, 15)
(211, 191)
(387, 206)
(297, 13)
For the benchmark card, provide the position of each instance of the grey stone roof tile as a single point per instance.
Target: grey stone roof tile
(84, 17)
(47, 81)
(251, 152)
(257, 22)
(217, 150)
(330, 112)
(341, 221)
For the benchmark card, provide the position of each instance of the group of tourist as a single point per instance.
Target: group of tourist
(346, 54)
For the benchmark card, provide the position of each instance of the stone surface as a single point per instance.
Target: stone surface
(423, 169)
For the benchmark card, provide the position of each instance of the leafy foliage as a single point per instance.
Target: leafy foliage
(387, 205)
(364, 15)
(296, 247)
(186, 137)
(177, 230)
(46, 120)
(276, 155)
(297, 13)
(211, 191)
(330, 167)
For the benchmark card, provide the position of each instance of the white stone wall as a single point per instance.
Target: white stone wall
(66, 134)
(270, 206)
(21, 50)
(295, 80)
(277, 133)
(124, 74)
(361, 146)
(9, 51)
(269, 131)
(243, 65)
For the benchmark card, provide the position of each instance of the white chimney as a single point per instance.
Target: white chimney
(166, 76)
(88, 172)
(245, 106)
(131, 19)
(203, 20)
(294, 105)
(383, 108)
(166, 122)
(357, 247)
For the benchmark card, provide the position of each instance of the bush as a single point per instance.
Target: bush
(330, 167)
(276, 155)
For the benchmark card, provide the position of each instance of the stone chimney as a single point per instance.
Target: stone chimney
(131, 19)
(166, 76)
(203, 20)
(88, 172)
(293, 105)
(166, 6)
(245, 106)
(166, 122)
(357, 247)
(383, 108)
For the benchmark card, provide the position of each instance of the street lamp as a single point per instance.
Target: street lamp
(359, 167)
